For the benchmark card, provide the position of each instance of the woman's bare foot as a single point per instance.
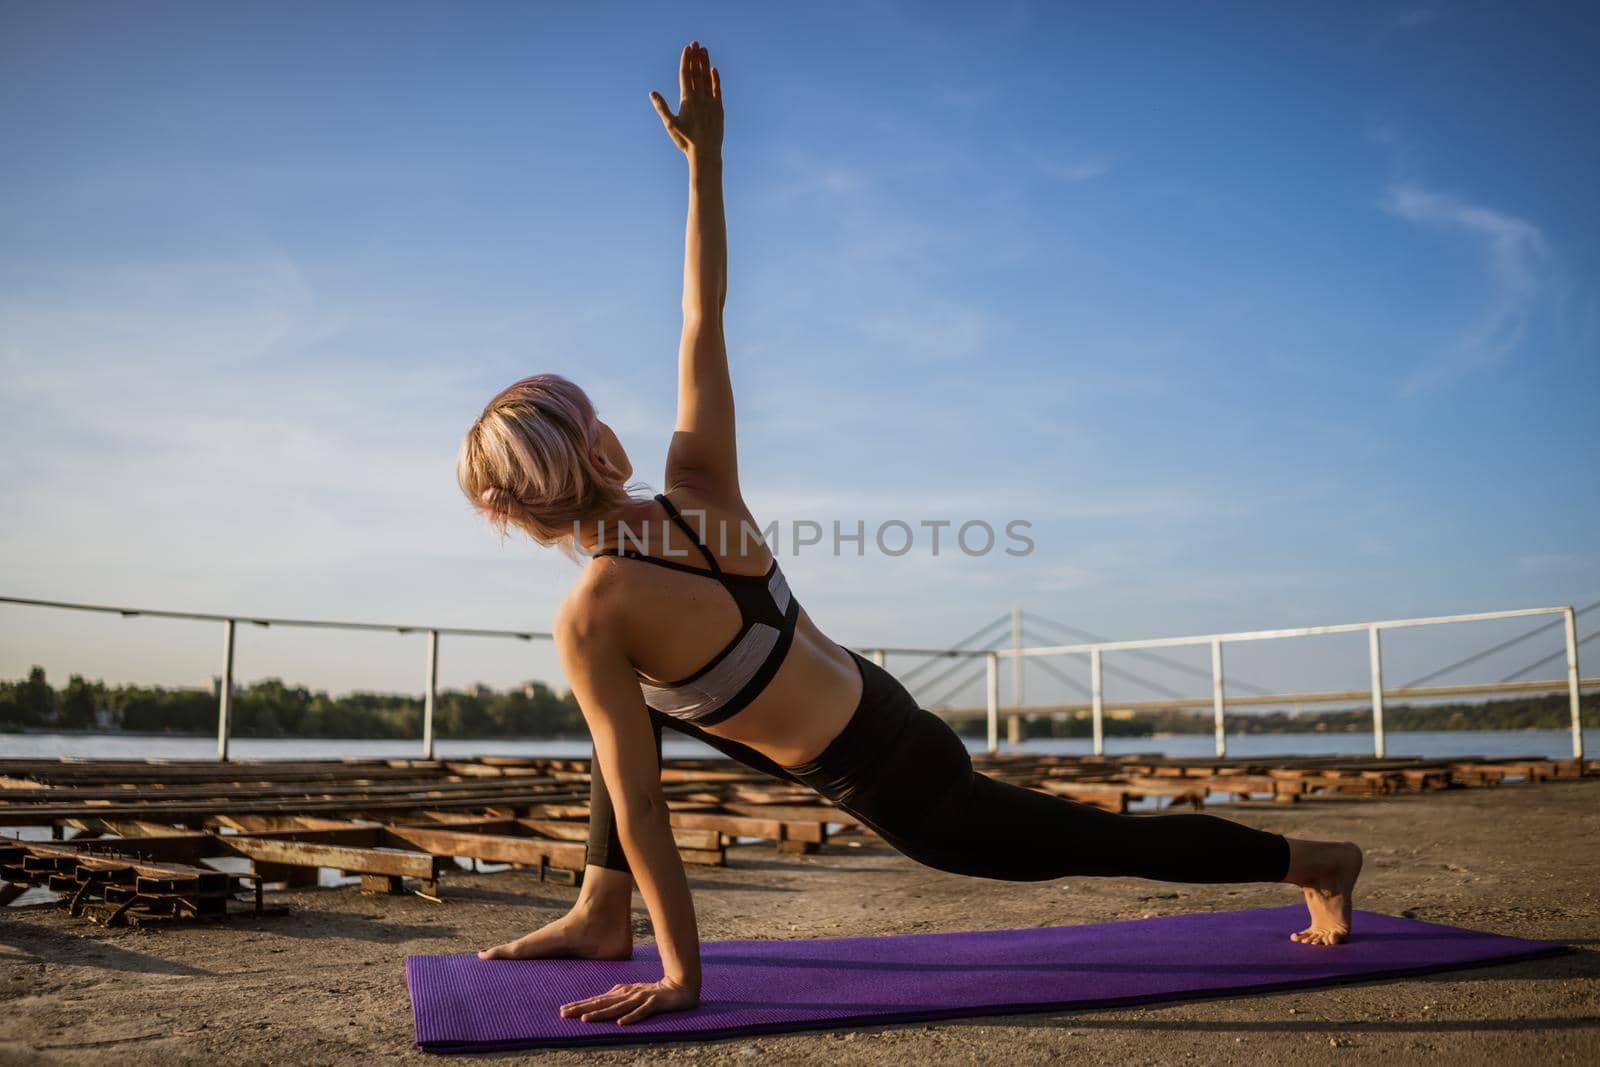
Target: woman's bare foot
(597, 928)
(1327, 872)
(570, 935)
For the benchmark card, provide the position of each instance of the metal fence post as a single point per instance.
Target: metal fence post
(1099, 710)
(225, 698)
(429, 701)
(992, 679)
(1217, 698)
(1017, 662)
(1016, 722)
(1570, 617)
(1375, 644)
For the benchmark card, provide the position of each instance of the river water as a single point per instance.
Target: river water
(1435, 744)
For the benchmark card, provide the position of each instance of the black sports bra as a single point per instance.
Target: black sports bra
(736, 675)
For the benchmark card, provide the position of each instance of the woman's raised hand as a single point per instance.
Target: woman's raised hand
(697, 127)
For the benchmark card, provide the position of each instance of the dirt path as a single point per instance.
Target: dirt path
(325, 983)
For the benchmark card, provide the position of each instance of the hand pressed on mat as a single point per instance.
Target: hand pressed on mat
(633, 1002)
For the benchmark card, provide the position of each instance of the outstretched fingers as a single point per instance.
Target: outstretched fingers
(695, 73)
(623, 1005)
(618, 1000)
(645, 1009)
(700, 103)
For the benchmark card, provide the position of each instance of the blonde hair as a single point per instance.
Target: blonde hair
(528, 461)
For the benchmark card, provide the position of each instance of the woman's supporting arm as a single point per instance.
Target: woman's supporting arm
(588, 630)
(703, 453)
(605, 846)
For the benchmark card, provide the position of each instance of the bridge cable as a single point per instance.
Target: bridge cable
(957, 647)
(1501, 647)
(959, 665)
(1130, 676)
(1156, 657)
(1530, 668)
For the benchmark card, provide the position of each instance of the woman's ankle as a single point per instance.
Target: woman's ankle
(1311, 862)
(605, 892)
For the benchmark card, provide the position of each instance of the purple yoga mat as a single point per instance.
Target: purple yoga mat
(462, 1003)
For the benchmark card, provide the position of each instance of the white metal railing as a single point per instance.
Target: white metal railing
(1094, 650)
(225, 694)
(430, 691)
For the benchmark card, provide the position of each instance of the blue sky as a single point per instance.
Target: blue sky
(1262, 317)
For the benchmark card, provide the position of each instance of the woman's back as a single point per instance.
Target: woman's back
(715, 633)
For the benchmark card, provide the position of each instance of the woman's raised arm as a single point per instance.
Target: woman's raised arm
(703, 455)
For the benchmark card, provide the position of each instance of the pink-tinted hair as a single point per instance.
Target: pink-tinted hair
(528, 461)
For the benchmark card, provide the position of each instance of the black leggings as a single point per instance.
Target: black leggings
(905, 774)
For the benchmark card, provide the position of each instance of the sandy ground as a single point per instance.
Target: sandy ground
(325, 983)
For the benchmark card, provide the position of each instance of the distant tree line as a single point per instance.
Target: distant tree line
(1549, 712)
(269, 708)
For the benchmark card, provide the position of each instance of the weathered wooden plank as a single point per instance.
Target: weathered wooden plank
(1111, 799)
(382, 884)
(252, 791)
(47, 814)
(147, 868)
(378, 860)
(811, 833)
(492, 848)
(709, 857)
(290, 877)
(818, 812)
(168, 848)
(567, 829)
(738, 825)
(355, 835)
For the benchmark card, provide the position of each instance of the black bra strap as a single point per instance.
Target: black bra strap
(672, 513)
(630, 553)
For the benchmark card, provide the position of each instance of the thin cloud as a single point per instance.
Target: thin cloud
(1514, 251)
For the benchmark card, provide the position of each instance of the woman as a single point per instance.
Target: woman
(700, 602)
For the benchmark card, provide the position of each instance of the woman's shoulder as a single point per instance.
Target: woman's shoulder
(595, 602)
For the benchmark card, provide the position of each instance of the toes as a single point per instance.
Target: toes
(500, 952)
